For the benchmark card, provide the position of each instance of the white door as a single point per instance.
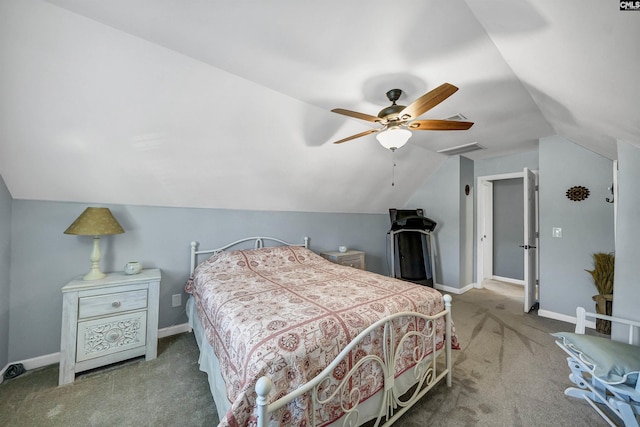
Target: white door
(487, 231)
(484, 268)
(530, 243)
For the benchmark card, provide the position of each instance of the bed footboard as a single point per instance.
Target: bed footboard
(431, 365)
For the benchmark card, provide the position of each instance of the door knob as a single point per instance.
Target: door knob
(527, 247)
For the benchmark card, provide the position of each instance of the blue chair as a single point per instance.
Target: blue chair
(606, 372)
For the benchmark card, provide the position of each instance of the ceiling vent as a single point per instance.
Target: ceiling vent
(461, 149)
(458, 117)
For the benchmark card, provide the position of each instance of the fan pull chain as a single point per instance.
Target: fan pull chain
(393, 169)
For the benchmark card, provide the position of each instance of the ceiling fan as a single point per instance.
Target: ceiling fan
(397, 120)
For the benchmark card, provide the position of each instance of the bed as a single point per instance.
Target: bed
(289, 338)
(606, 372)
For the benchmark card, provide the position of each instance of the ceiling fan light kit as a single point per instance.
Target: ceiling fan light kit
(393, 138)
(396, 120)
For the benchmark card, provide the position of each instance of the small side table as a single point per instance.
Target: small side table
(350, 258)
(108, 320)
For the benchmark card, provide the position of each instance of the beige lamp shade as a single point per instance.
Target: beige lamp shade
(95, 222)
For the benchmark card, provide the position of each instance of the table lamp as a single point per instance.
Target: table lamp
(95, 222)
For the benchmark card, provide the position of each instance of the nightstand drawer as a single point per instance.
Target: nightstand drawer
(350, 258)
(107, 335)
(112, 303)
(355, 261)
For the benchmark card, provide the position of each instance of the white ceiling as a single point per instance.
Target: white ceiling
(208, 103)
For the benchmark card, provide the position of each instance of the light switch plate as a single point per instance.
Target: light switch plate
(556, 232)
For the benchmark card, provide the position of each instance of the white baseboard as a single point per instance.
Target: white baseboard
(564, 318)
(173, 330)
(33, 363)
(509, 280)
(453, 290)
(53, 358)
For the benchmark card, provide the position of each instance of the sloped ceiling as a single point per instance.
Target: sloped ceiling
(205, 103)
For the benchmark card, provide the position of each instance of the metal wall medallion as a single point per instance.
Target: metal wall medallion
(577, 193)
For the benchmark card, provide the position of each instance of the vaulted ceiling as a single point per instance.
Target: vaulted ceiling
(205, 103)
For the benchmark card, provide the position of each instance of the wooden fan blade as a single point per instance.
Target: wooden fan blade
(428, 101)
(357, 115)
(439, 125)
(358, 135)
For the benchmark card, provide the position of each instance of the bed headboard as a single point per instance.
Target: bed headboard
(258, 242)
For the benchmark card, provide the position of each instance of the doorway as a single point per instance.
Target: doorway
(485, 232)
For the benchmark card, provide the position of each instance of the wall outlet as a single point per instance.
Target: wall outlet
(176, 300)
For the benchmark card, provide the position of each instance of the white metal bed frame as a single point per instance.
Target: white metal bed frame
(391, 405)
(426, 373)
(258, 242)
(622, 400)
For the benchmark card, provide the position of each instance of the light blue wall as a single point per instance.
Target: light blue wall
(506, 164)
(439, 199)
(587, 226)
(443, 200)
(466, 221)
(44, 259)
(626, 289)
(508, 228)
(5, 262)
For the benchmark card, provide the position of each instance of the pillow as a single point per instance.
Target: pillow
(273, 257)
(613, 361)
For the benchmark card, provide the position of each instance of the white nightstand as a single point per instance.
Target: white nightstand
(108, 320)
(353, 259)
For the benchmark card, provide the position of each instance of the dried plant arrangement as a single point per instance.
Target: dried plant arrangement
(602, 273)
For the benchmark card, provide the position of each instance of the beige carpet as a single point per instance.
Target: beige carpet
(167, 391)
(509, 290)
(509, 372)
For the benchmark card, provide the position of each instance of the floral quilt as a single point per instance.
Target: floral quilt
(286, 312)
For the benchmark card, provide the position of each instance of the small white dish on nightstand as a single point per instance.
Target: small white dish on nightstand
(132, 267)
(342, 249)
